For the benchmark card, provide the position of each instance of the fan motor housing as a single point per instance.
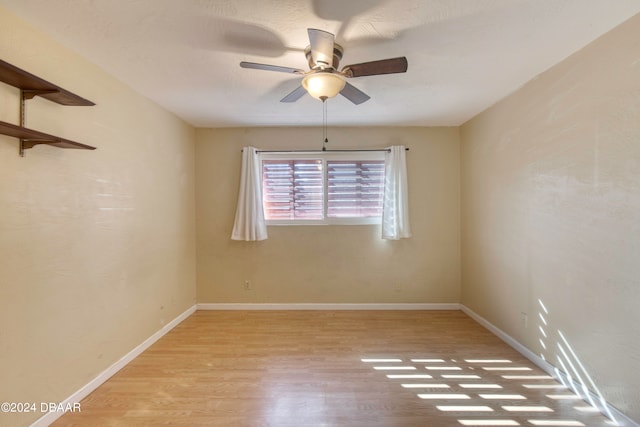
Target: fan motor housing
(337, 56)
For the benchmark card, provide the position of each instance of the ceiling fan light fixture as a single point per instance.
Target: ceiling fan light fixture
(323, 85)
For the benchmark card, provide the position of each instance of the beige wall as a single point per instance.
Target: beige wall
(551, 205)
(331, 264)
(97, 248)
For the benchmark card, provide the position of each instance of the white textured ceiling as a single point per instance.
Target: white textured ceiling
(464, 55)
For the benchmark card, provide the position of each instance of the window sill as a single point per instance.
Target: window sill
(331, 221)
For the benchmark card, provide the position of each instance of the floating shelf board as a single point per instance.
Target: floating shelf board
(35, 86)
(30, 137)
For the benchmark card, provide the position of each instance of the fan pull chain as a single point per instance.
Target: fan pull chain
(324, 125)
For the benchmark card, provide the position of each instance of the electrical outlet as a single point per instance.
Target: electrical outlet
(247, 285)
(524, 318)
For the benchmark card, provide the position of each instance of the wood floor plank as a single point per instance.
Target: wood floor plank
(305, 368)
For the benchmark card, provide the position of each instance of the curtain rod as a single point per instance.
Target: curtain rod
(324, 151)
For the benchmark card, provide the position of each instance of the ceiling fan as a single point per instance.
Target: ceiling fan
(323, 80)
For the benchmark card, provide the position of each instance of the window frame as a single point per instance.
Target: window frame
(324, 156)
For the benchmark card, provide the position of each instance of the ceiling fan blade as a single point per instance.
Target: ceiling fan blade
(354, 94)
(321, 43)
(268, 67)
(295, 95)
(383, 66)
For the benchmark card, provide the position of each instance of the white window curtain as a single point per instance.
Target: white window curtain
(395, 209)
(249, 224)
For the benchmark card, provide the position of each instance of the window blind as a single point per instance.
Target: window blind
(326, 188)
(293, 189)
(354, 188)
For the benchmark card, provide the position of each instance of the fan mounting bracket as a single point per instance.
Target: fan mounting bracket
(337, 56)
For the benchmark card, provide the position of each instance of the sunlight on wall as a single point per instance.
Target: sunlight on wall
(571, 372)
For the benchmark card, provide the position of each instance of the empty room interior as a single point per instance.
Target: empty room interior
(482, 268)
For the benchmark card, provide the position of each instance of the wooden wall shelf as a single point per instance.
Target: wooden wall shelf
(32, 137)
(31, 86)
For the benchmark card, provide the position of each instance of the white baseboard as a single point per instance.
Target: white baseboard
(604, 407)
(509, 340)
(83, 392)
(327, 306)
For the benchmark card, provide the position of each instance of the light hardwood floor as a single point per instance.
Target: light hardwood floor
(306, 368)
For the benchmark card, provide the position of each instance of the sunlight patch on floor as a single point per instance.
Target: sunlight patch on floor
(474, 377)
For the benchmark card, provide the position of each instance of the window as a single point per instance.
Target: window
(326, 188)
(355, 188)
(292, 189)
